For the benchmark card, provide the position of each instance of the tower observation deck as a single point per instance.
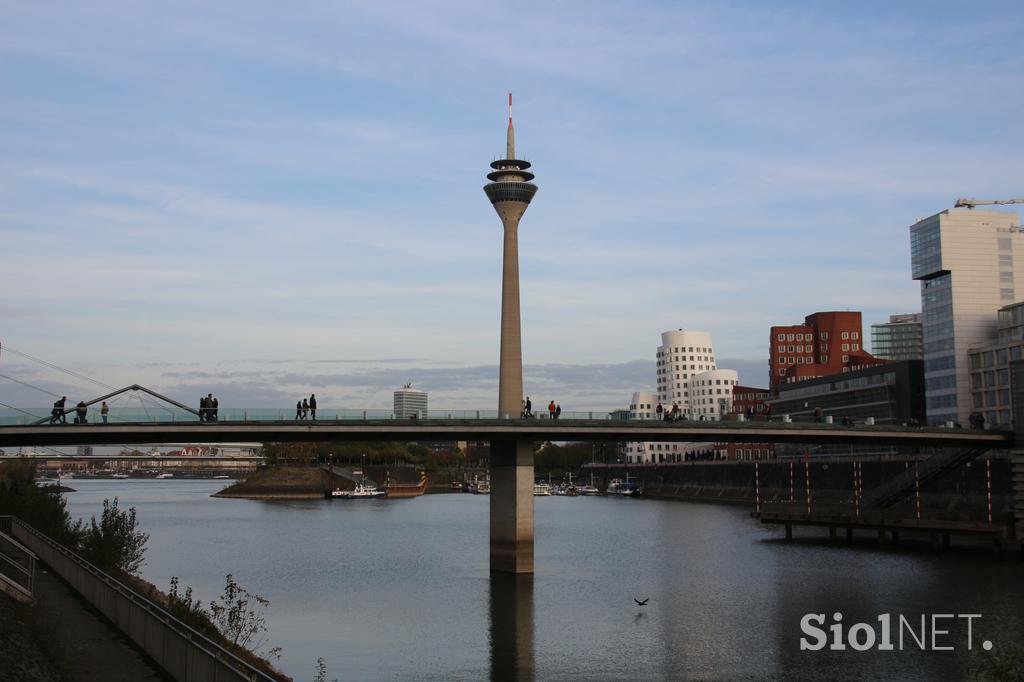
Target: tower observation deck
(510, 192)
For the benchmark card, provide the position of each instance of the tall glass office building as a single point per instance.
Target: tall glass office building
(901, 338)
(970, 263)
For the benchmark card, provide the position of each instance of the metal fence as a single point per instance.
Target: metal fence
(17, 565)
(183, 652)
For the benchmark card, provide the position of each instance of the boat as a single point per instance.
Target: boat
(360, 492)
(120, 476)
(165, 475)
(623, 488)
(480, 487)
(541, 489)
(587, 490)
(222, 476)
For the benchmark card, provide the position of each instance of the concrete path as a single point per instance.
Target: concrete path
(86, 647)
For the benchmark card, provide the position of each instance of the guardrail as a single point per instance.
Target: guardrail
(17, 565)
(183, 652)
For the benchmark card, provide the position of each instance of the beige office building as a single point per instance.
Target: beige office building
(970, 264)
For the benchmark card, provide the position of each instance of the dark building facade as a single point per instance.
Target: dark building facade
(890, 393)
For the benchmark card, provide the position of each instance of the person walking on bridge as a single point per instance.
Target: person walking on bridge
(81, 410)
(104, 411)
(305, 408)
(57, 414)
(312, 406)
(214, 406)
(551, 410)
(298, 410)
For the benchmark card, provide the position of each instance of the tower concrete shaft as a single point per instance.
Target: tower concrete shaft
(510, 192)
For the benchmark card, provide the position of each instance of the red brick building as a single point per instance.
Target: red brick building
(743, 399)
(826, 343)
(746, 397)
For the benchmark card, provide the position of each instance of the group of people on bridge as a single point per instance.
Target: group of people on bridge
(306, 408)
(208, 406)
(554, 410)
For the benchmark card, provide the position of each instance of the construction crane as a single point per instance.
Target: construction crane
(971, 203)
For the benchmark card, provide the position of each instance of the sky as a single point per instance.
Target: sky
(269, 199)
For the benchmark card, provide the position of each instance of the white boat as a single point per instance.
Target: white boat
(478, 487)
(587, 490)
(541, 489)
(165, 475)
(361, 491)
(623, 488)
(222, 476)
(120, 476)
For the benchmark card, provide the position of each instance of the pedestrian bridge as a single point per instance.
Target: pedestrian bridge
(357, 425)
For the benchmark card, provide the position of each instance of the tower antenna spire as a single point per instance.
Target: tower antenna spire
(510, 145)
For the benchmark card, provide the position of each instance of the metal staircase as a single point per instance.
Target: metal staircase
(903, 485)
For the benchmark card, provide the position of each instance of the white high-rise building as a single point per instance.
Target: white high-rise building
(410, 402)
(687, 377)
(970, 264)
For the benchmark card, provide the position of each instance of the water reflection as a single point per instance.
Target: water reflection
(511, 612)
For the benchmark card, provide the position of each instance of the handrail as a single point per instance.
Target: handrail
(26, 569)
(88, 580)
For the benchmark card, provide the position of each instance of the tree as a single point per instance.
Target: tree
(115, 542)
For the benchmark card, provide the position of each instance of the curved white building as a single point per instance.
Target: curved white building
(687, 377)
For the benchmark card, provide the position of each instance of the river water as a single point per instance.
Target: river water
(400, 589)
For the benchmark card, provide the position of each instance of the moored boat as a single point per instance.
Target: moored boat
(360, 492)
(541, 489)
(623, 488)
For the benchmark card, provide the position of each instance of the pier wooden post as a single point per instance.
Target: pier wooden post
(512, 506)
(789, 531)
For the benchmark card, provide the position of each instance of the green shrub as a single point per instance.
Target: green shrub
(115, 542)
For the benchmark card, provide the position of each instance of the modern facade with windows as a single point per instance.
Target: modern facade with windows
(970, 263)
(410, 403)
(990, 368)
(901, 338)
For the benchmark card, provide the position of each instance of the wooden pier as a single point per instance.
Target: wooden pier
(889, 529)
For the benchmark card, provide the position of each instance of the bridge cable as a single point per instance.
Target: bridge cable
(24, 383)
(74, 374)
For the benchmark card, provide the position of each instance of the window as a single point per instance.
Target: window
(855, 346)
(846, 358)
(846, 335)
(824, 336)
(789, 337)
(846, 346)
(792, 348)
(782, 337)
(854, 335)
(782, 349)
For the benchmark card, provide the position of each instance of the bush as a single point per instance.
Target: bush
(238, 615)
(116, 542)
(42, 507)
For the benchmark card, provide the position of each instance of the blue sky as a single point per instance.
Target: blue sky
(264, 198)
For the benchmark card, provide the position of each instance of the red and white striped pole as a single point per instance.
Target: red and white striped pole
(807, 468)
(988, 486)
(917, 491)
(856, 489)
(757, 486)
(791, 498)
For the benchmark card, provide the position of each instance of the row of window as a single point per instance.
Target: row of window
(810, 337)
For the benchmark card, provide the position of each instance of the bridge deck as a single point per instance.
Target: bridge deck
(491, 429)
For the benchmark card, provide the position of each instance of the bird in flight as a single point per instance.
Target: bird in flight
(641, 603)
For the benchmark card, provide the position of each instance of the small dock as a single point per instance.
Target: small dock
(889, 529)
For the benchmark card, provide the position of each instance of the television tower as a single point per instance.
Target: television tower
(510, 192)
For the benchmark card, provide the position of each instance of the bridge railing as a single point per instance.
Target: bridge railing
(17, 563)
(183, 652)
(166, 415)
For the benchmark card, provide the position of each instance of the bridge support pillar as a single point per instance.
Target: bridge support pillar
(512, 506)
